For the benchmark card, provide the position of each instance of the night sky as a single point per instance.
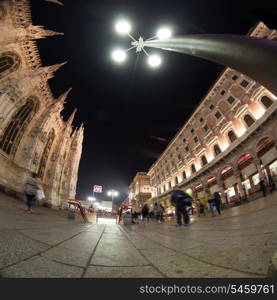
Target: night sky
(122, 106)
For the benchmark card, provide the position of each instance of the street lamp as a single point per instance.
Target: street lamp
(253, 56)
(112, 193)
(124, 27)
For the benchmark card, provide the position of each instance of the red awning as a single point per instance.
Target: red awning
(245, 157)
(210, 180)
(226, 170)
(264, 144)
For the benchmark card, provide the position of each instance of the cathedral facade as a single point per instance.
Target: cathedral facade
(34, 138)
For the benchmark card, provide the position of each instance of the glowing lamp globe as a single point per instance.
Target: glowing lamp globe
(119, 56)
(164, 33)
(154, 61)
(123, 27)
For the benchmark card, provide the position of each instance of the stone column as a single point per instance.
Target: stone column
(259, 168)
(239, 182)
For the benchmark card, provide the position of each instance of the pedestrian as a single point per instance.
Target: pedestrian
(181, 201)
(161, 213)
(157, 211)
(217, 202)
(263, 187)
(145, 212)
(211, 206)
(271, 183)
(30, 191)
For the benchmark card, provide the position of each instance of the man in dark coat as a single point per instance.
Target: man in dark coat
(217, 202)
(180, 200)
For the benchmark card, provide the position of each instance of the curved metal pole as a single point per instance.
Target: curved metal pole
(254, 57)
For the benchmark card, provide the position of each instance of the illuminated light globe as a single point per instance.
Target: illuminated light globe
(123, 27)
(154, 61)
(164, 33)
(119, 56)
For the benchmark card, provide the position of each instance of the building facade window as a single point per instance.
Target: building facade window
(169, 184)
(193, 169)
(231, 100)
(195, 139)
(218, 115)
(235, 77)
(222, 92)
(187, 148)
(244, 83)
(184, 175)
(176, 180)
(217, 150)
(248, 120)
(9, 62)
(15, 130)
(206, 128)
(192, 130)
(267, 102)
(232, 136)
(211, 107)
(201, 120)
(204, 160)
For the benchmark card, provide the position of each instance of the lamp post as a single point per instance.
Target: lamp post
(112, 193)
(252, 56)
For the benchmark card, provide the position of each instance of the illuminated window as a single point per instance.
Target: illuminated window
(204, 160)
(232, 136)
(184, 175)
(217, 150)
(267, 102)
(249, 120)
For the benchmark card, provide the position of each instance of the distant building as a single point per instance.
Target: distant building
(139, 191)
(33, 135)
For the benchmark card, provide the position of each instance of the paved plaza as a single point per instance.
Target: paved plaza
(240, 243)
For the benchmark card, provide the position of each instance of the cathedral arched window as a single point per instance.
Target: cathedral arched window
(204, 160)
(249, 120)
(9, 62)
(15, 130)
(2, 12)
(232, 136)
(193, 170)
(217, 150)
(46, 153)
(267, 102)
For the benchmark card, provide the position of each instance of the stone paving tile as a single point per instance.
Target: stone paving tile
(141, 242)
(48, 236)
(246, 259)
(15, 247)
(122, 272)
(84, 242)
(176, 265)
(39, 267)
(117, 252)
(68, 256)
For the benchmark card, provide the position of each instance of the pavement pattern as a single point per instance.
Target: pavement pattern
(46, 244)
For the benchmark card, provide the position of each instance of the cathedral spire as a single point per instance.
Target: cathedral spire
(71, 118)
(48, 71)
(38, 32)
(64, 96)
(54, 1)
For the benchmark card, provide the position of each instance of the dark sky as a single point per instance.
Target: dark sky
(122, 106)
